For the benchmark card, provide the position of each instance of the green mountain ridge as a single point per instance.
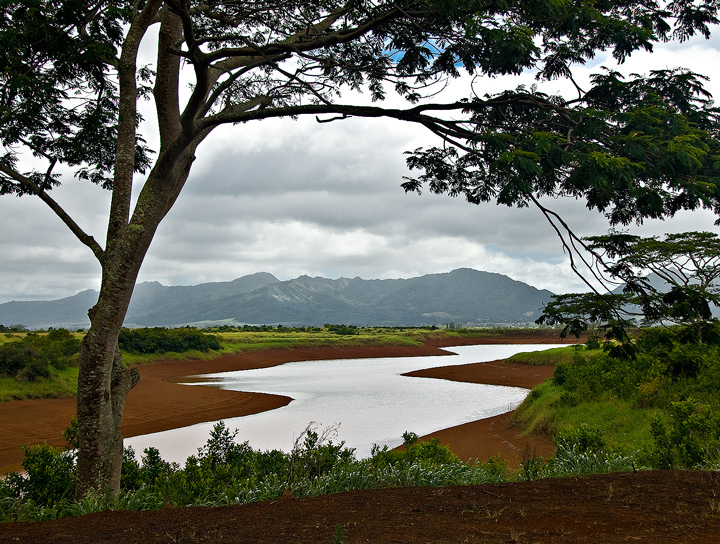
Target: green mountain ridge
(464, 296)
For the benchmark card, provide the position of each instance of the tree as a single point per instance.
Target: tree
(685, 267)
(71, 83)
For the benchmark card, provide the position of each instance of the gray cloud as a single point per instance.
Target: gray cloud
(295, 198)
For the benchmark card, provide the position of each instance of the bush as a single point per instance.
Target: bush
(690, 440)
(15, 356)
(345, 330)
(426, 453)
(33, 357)
(162, 340)
(49, 477)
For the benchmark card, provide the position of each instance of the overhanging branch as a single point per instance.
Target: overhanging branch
(81, 235)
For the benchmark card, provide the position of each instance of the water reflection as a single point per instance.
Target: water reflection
(368, 398)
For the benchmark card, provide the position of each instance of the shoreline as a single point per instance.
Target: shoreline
(497, 435)
(157, 404)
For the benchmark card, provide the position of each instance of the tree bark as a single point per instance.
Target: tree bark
(103, 386)
(103, 380)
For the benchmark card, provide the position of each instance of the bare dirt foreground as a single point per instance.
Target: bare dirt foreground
(652, 507)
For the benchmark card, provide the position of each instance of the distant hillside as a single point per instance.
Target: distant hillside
(463, 296)
(656, 282)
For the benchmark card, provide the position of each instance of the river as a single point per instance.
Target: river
(365, 401)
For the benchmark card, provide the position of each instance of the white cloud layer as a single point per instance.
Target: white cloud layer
(298, 197)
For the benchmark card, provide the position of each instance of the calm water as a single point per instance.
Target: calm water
(368, 399)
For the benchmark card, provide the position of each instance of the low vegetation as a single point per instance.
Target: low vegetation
(38, 365)
(227, 472)
(550, 356)
(660, 403)
(162, 340)
(608, 410)
(43, 364)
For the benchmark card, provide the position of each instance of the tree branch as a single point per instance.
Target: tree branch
(167, 78)
(297, 43)
(127, 123)
(200, 65)
(81, 235)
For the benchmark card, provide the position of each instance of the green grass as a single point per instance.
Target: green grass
(63, 384)
(546, 411)
(547, 357)
(11, 337)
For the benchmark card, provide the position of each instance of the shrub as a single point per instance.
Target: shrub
(345, 330)
(594, 342)
(690, 440)
(49, 477)
(162, 340)
(31, 358)
(426, 453)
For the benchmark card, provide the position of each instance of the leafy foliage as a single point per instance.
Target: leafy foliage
(162, 340)
(676, 368)
(345, 330)
(647, 143)
(691, 439)
(414, 452)
(635, 149)
(671, 388)
(225, 471)
(32, 357)
(688, 265)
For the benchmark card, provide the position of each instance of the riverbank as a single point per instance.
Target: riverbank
(498, 435)
(158, 403)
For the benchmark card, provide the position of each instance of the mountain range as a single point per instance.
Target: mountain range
(464, 296)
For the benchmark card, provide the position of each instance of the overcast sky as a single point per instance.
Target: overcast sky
(298, 197)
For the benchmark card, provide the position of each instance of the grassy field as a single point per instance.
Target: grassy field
(63, 383)
(663, 403)
(549, 409)
(624, 425)
(60, 383)
(246, 341)
(545, 357)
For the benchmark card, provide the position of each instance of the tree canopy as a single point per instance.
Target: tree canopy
(637, 147)
(672, 280)
(71, 80)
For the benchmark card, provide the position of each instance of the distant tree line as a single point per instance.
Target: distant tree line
(162, 340)
(13, 328)
(33, 357)
(262, 328)
(342, 329)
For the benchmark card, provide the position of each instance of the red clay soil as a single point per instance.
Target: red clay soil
(157, 403)
(646, 507)
(495, 435)
(652, 507)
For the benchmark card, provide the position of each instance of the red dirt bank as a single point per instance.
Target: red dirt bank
(648, 507)
(157, 404)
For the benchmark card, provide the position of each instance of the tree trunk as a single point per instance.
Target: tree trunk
(103, 381)
(103, 386)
